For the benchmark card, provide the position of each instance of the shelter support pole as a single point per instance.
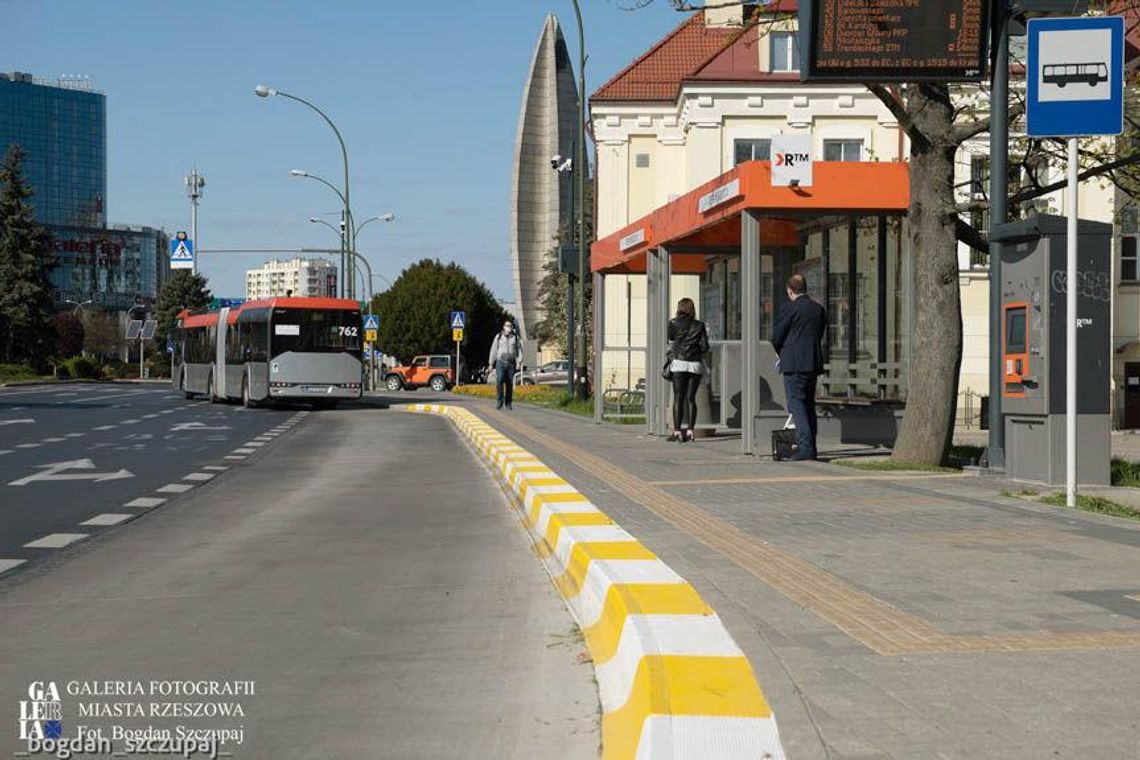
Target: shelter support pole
(999, 179)
(750, 327)
(599, 344)
(656, 337)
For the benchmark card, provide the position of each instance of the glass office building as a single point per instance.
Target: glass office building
(112, 268)
(62, 126)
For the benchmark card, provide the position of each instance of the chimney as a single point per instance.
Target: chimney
(721, 13)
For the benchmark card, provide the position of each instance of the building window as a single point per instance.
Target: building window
(751, 150)
(1128, 259)
(785, 49)
(979, 176)
(641, 160)
(842, 150)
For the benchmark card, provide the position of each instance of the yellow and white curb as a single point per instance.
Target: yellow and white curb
(672, 682)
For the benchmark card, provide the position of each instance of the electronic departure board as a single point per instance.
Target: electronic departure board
(877, 41)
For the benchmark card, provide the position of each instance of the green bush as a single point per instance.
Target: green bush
(80, 367)
(12, 372)
(1125, 473)
(159, 368)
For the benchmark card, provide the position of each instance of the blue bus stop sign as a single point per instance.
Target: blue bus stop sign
(1076, 77)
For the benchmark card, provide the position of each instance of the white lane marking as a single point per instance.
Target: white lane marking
(74, 435)
(16, 422)
(216, 467)
(58, 395)
(197, 426)
(265, 438)
(254, 444)
(53, 440)
(102, 398)
(56, 471)
(28, 445)
(233, 456)
(144, 502)
(108, 518)
(149, 416)
(5, 451)
(56, 540)
(174, 488)
(199, 476)
(173, 395)
(129, 422)
(8, 564)
(104, 427)
(244, 451)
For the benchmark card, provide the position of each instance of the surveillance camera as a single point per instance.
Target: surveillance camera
(555, 160)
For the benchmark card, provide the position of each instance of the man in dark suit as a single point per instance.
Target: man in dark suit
(797, 338)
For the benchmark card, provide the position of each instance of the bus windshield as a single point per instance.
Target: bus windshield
(315, 331)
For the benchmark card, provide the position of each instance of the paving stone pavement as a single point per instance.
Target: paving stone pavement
(887, 615)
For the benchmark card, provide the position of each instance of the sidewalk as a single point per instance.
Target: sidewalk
(886, 615)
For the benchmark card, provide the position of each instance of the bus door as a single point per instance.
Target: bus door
(220, 389)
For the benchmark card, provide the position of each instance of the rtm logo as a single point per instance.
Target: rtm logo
(792, 159)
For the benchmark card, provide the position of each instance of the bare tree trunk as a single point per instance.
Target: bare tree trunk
(928, 425)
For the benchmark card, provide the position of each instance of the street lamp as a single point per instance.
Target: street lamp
(78, 304)
(345, 270)
(262, 91)
(580, 175)
(566, 166)
(388, 217)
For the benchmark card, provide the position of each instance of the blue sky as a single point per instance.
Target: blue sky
(426, 94)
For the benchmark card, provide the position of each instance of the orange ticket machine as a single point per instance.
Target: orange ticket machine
(1034, 325)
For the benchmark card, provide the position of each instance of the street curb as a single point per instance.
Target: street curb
(672, 682)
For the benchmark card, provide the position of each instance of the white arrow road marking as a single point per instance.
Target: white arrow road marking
(56, 471)
(16, 422)
(197, 426)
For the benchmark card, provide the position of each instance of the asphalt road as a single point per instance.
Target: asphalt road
(77, 453)
(363, 572)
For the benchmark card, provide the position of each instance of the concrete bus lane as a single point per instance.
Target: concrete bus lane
(369, 580)
(64, 479)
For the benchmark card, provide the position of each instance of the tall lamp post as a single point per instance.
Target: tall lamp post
(344, 232)
(388, 217)
(580, 176)
(263, 91)
(566, 166)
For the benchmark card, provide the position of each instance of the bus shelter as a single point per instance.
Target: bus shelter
(730, 245)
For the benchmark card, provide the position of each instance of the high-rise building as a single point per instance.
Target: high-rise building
(62, 126)
(299, 277)
(541, 195)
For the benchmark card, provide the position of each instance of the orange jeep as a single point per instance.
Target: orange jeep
(436, 372)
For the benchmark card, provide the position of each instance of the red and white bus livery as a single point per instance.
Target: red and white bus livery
(288, 349)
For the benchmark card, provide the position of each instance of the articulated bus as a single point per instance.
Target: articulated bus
(277, 349)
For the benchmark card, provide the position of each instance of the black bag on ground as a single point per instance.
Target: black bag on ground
(783, 444)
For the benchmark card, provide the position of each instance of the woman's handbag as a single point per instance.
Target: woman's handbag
(666, 371)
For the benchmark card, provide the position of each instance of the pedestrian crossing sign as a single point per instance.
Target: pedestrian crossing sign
(458, 320)
(371, 322)
(181, 252)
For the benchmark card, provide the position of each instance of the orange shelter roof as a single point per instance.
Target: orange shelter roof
(709, 214)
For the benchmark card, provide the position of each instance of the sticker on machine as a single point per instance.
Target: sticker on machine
(286, 329)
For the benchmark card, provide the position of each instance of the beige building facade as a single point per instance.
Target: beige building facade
(733, 84)
(298, 277)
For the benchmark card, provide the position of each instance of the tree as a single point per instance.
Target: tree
(69, 334)
(938, 119)
(414, 313)
(551, 327)
(184, 290)
(25, 260)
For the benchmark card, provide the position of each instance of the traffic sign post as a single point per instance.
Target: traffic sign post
(457, 336)
(181, 252)
(1076, 89)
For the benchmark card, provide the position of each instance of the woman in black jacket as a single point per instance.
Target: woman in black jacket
(690, 344)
